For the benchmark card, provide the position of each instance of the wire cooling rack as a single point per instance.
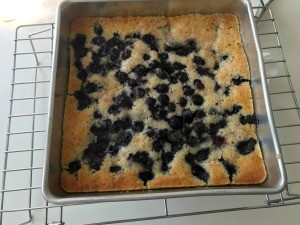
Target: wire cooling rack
(21, 198)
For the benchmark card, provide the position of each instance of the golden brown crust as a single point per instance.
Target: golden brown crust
(216, 35)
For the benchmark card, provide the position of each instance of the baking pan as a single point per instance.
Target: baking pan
(70, 10)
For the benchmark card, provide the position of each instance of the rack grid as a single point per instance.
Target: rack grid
(23, 162)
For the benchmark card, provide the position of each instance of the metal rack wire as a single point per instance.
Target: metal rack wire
(21, 182)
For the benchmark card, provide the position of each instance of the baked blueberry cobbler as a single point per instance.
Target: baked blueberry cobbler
(158, 102)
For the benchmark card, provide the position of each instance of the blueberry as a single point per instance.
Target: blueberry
(123, 139)
(160, 74)
(166, 158)
(179, 49)
(198, 84)
(167, 67)
(113, 42)
(132, 83)
(151, 41)
(246, 147)
(218, 140)
(121, 77)
(162, 134)
(174, 136)
(79, 40)
(78, 65)
(123, 101)
(187, 116)
(138, 93)
(192, 141)
(199, 113)
(163, 99)
(182, 76)
(202, 154)
(183, 102)
(190, 159)
(146, 57)
(137, 126)
(199, 61)
(171, 107)
(114, 54)
(217, 87)
(94, 129)
(80, 51)
(105, 125)
(179, 66)
(160, 115)
(235, 109)
(188, 91)
(205, 72)
(226, 91)
(143, 158)
(84, 101)
(150, 102)
(115, 169)
(145, 176)
(249, 119)
(74, 166)
(98, 29)
(239, 80)
(113, 150)
(216, 66)
(99, 40)
(95, 67)
(197, 100)
(230, 168)
(185, 130)
(173, 79)
(140, 70)
(113, 109)
(192, 44)
(162, 88)
(151, 133)
(117, 126)
(224, 57)
(93, 156)
(200, 128)
(176, 146)
(126, 54)
(175, 122)
(158, 145)
(97, 114)
(214, 127)
(90, 88)
(136, 35)
(82, 75)
(127, 122)
(200, 172)
(163, 56)
(154, 65)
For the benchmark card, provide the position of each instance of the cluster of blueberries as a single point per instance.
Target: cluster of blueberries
(186, 128)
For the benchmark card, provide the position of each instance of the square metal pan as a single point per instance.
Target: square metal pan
(70, 10)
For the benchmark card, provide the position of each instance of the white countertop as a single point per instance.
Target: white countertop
(287, 16)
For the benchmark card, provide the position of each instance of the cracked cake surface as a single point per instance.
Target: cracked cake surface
(158, 102)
